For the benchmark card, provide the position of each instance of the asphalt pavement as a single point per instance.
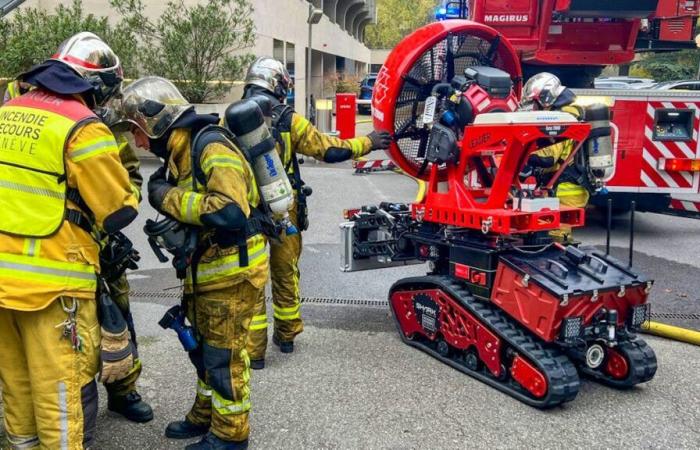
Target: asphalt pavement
(352, 384)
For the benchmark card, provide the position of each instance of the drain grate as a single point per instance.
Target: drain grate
(175, 294)
(681, 316)
(377, 303)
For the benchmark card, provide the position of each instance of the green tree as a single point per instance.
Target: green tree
(198, 47)
(31, 35)
(396, 19)
(669, 66)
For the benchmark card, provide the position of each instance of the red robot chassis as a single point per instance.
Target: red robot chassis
(502, 302)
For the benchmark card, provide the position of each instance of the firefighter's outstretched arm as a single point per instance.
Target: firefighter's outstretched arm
(308, 140)
(223, 205)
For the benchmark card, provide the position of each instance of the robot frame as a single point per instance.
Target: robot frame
(502, 301)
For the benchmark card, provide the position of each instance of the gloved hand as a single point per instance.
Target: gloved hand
(116, 354)
(158, 188)
(381, 140)
(526, 173)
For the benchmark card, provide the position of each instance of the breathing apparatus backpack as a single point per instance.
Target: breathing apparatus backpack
(260, 220)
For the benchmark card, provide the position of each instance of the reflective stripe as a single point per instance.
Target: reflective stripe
(73, 275)
(290, 313)
(258, 322)
(32, 190)
(203, 389)
(357, 147)
(227, 407)
(222, 161)
(185, 182)
(230, 265)
(23, 442)
(31, 247)
(96, 147)
(189, 207)
(63, 414)
(301, 125)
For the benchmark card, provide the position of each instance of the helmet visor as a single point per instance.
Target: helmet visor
(153, 104)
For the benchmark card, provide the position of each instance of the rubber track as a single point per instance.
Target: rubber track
(562, 377)
(642, 362)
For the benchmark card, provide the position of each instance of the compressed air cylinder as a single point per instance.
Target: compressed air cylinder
(599, 148)
(245, 119)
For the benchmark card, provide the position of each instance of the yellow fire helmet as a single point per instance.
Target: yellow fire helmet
(94, 61)
(153, 104)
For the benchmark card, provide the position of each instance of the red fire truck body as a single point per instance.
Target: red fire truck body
(655, 136)
(575, 38)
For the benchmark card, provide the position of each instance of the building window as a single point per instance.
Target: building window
(290, 57)
(278, 50)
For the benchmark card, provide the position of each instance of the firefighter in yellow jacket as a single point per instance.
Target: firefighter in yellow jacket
(54, 155)
(544, 91)
(122, 396)
(269, 78)
(218, 196)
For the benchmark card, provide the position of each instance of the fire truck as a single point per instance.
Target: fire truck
(657, 153)
(575, 39)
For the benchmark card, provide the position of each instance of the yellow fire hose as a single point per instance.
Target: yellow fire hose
(671, 332)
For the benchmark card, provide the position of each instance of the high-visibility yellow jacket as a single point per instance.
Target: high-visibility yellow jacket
(127, 154)
(62, 134)
(300, 136)
(229, 180)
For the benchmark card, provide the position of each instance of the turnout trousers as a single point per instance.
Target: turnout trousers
(48, 387)
(286, 300)
(222, 319)
(573, 195)
(120, 296)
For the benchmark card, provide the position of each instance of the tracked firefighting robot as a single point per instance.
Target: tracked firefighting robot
(502, 301)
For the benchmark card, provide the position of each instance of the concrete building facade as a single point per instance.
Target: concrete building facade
(282, 32)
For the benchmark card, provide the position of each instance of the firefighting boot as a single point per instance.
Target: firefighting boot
(257, 364)
(131, 406)
(183, 429)
(211, 442)
(285, 346)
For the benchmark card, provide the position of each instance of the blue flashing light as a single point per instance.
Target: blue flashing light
(441, 13)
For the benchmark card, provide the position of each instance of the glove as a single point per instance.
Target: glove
(117, 355)
(526, 173)
(381, 140)
(158, 188)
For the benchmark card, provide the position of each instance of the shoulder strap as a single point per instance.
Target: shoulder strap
(208, 135)
(282, 117)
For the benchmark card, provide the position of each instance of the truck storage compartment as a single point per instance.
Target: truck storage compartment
(605, 8)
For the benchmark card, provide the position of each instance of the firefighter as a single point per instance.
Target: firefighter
(122, 397)
(268, 77)
(227, 281)
(61, 182)
(545, 92)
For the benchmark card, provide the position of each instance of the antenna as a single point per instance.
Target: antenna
(609, 226)
(633, 207)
